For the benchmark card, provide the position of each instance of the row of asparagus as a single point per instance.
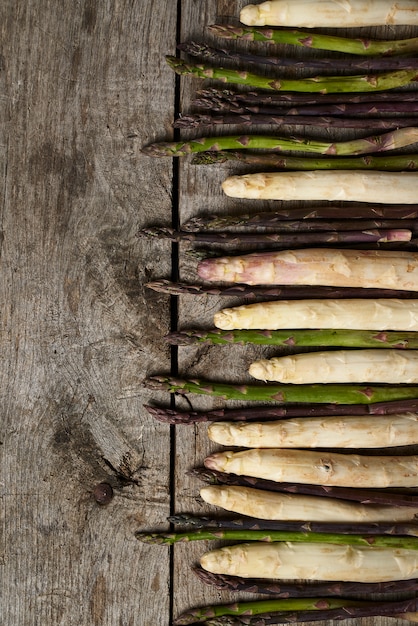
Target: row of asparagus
(276, 482)
(346, 550)
(375, 332)
(360, 533)
(376, 100)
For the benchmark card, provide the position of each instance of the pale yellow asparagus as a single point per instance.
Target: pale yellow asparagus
(340, 366)
(272, 505)
(318, 468)
(330, 13)
(314, 561)
(355, 314)
(384, 269)
(331, 185)
(351, 431)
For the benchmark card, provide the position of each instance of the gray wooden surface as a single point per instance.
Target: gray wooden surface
(84, 86)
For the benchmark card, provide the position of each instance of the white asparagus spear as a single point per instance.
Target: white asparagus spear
(332, 185)
(272, 505)
(355, 314)
(314, 561)
(330, 13)
(340, 366)
(384, 269)
(319, 468)
(373, 431)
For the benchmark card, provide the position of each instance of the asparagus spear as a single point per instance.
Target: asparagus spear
(398, 106)
(172, 416)
(289, 292)
(295, 561)
(275, 618)
(380, 143)
(319, 468)
(202, 50)
(215, 222)
(388, 541)
(232, 99)
(382, 314)
(269, 619)
(320, 121)
(317, 266)
(364, 496)
(340, 528)
(368, 365)
(300, 590)
(318, 41)
(281, 608)
(297, 338)
(331, 14)
(317, 84)
(401, 106)
(310, 394)
(302, 215)
(341, 431)
(293, 507)
(331, 185)
(373, 235)
(396, 163)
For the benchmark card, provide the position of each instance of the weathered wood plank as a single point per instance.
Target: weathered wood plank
(85, 86)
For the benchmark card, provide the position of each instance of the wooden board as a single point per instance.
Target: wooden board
(84, 85)
(79, 331)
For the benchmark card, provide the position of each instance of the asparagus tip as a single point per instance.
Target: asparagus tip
(155, 383)
(150, 538)
(162, 415)
(178, 65)
(156, 232)
(161, 149)
(227, 31)
(182, 519)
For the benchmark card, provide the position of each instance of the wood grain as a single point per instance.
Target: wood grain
(79, 331)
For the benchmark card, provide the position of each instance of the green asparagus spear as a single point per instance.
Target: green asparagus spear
(318, 84)
(291, 610)
(387, 541)
(396, 163)
(377, 143)
(307, 39)
(404, 609)
(282, 393)
(298, 338)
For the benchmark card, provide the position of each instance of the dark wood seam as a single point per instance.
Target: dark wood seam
(175, 222)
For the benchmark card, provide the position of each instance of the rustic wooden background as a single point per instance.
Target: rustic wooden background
(84, 85)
